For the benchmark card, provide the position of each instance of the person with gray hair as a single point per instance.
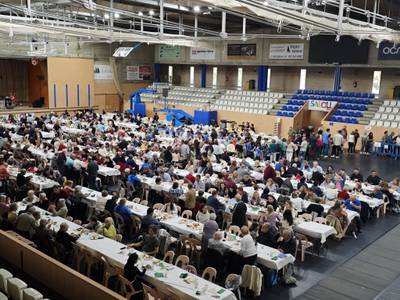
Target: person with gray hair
(60, 209)
(216, 243)
(26, 222)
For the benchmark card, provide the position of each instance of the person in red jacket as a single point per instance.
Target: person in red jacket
(269, 171)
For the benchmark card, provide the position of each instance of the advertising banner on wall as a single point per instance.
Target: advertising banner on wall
(170, 52)
(138, 73)
(247, 50)
(202, 54)
(102, 72)
(389, 51)
(321, 105)
(286, 51)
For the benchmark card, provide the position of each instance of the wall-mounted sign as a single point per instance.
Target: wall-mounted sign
(321, 105)
(170, 52)
(388, 51)
(138, 73)
(102, 72)
(286, 51)
(242, 50)
(202, 54)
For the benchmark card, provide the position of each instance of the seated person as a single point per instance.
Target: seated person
(150, 242)
(373, 179)
(316, 207)
(124, 211)
(248, 249)
(267, 236)
(133, 274)
(108, 229)
(60, 209)
(149, 220)
(170, 206)
(287, 242)
(216, 243)
(31, 197)
(93, 224)
(214, 202)
(353, 204)
(64, 238)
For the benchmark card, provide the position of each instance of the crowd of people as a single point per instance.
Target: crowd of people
(218, 163)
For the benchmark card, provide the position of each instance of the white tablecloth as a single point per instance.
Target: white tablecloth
(106, 171)
(315, 230)
(114, 251)
(269, 257)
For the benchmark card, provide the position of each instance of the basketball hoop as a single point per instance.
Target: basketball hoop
(34, 61)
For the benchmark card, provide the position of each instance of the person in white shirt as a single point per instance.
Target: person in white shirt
(317, 168)
(351, 140)
(248, 248)
(101, 201)
(303, 148)
(337, 144)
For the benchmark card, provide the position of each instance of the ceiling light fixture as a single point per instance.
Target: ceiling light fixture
(196, 9)
(151, 12)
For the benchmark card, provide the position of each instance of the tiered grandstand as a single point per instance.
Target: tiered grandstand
(387, 115)
(189, 96)
(355, 108)
(247, 101)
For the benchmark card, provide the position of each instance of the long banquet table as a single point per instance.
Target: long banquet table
(160, 274)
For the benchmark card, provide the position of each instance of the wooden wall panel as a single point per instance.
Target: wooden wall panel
(37, 82)
(70, 74)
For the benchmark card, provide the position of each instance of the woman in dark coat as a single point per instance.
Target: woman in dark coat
(239, 213)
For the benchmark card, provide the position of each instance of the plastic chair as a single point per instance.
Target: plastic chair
(233, 229)
(232, 283)
(187, 214)
(125, 288)
(307, 217)
(150, 293)
(15, 287)
(182, 261)
(209, 274)
(158, 206)
(31, 294)
(169, 257)
(303, 245)
(320, 220)
(4, 275)
(191, 269)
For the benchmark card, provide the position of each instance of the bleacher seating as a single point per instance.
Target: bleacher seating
(14, 288)
(189, 96)
(387, 115)
(351, 105)
(247, 101)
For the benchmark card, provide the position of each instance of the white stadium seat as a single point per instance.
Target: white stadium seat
(394, 125)
(391, 117)
(372, 123)
(379, 123)
(381, 109)
(32, 294)
(15, 287)
(4, 275)
(388, 109)
(384, 116)
(386, 124)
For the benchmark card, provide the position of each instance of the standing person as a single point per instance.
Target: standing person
(364, 138)
(325, 142)
(356, 137)
(337, 144)
(351, 142)
(290, 149)
(303, 148)
(92, 170)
